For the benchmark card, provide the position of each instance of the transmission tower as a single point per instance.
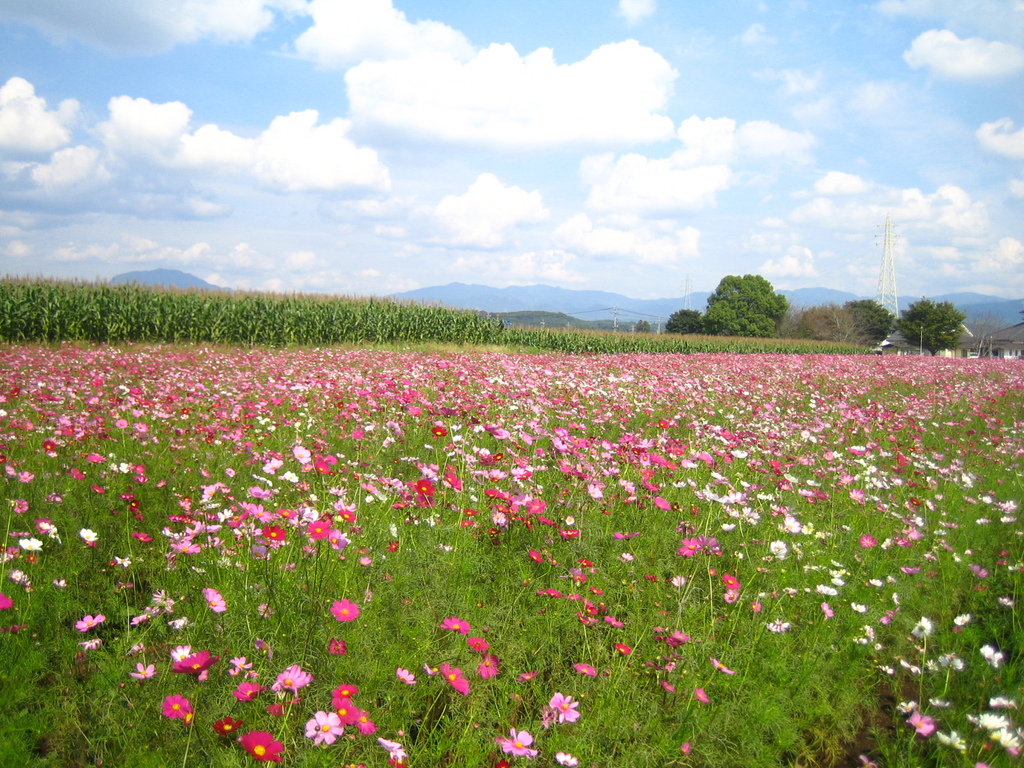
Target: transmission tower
(686, 292)
(887, 276)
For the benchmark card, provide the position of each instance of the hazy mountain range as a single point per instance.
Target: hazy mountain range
(599, 305)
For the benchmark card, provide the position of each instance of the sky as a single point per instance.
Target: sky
(644, 147)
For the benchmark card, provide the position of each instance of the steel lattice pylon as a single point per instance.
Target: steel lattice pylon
(887, 277)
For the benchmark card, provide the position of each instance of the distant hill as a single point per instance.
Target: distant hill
(170, 278)
(598, 305)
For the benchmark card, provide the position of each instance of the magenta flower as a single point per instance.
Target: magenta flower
(406, 676)
(700, 695)
(518, 744)
(868, 541)
(345, 610)
(195, 664)
(456, 625)
(488, 667)
(248, 691)
(477, 644)
(178, 707)
(292, 679)
(324, 728)
(143, 672)
(214, 600)
(923, 724)
(721, 667)
(88, 622)
(585, 669)
(5, 602)
(565, 708)
(454, 677)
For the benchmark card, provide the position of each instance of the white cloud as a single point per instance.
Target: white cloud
(793, 81)
(499, 270)
(500, 98)
(1005, 259)
(484, 215)
(999, 137)
(1017, 187)
(946, 55)
(27, 126)
(718, 140)
(635, 11)
(648, 244)
(70, 167)
(637, 184)
(839, 183)
(797, 262)
(756, 35)
(995, 18)
(131, 26)
(294, 154)
(345, 32)
(302, 261)
(949, 209)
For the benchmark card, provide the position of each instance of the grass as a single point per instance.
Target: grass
(766, 560)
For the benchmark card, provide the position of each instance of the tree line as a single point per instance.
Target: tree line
(749, 306)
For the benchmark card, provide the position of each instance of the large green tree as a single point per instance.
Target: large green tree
(744, 306)
(685, 321)
(874, 321)
(932, 325)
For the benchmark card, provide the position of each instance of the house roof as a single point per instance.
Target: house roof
(1011, 335)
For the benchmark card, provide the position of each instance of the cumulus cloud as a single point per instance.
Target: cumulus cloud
(294, 154)
(636, 184)
(635, 11)
(27, 127)
(499, 270)
(71, 167)
(130, 26)
(949, 209)
(500, 98)
(485, 214)
(661, 243)
(1007, 258)
(999, 137)
(798, 261)
(946, 55)
(345, 32)
(839, 183)
(719, 140)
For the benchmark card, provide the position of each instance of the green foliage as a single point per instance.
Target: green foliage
(744, 306)
(932, 325)
(874, 320)
(685, 321)
(642, 326)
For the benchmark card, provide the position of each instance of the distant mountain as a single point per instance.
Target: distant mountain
(598, 305)
(171, 278)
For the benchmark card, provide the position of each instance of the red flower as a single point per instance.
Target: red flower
(226, 725)
(730, 581)
(262, 746)
(274, 533)
(337, 647)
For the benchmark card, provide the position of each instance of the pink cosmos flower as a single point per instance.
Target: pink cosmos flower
(214, 600)
(406, 676)
(721, 667)
(565, 708)
(518, 744)
(143, 672)
(526, 677)
(178, 707)
(585, 669)
(477, 644)
(88, 622)
(564, 758)
(868, 541)
(324, 728)
(364, 724)
(292, 679)
(5, 602)
(345, 610)
(195, 664)
(395, 750)
(454, 677)
(456, 625)
(248, 691)
(700, 695)
(827, 610)
(488, 667)
(923, 724)
(262, 746)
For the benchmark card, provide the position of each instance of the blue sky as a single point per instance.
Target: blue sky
(376, 146)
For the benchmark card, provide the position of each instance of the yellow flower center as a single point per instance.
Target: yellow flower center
(259, 750)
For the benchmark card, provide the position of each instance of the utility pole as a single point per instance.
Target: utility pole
(887, 276)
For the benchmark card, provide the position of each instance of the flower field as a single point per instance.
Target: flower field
(323, 557)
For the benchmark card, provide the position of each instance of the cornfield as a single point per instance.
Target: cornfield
(56, 311)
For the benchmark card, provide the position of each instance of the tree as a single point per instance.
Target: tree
(642, 326)
(932, 326)
(744, 306)
(685, 321)
(826, 322)
(874, 321)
